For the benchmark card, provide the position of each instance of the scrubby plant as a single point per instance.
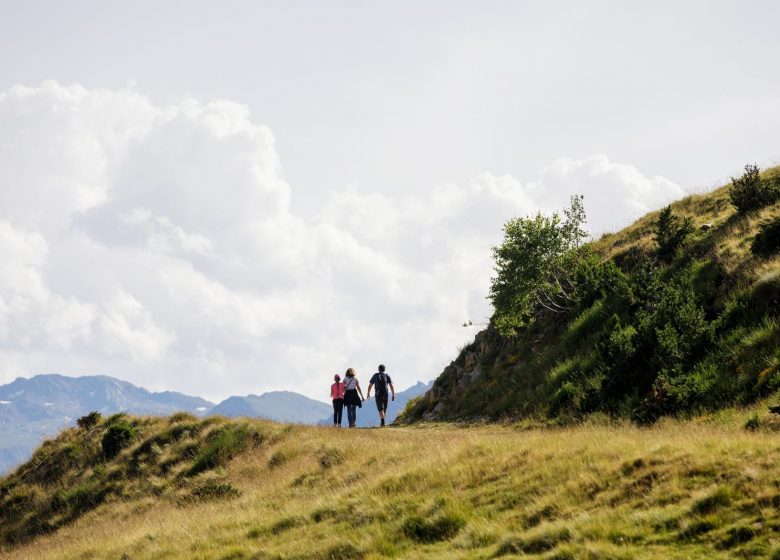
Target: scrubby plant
(213, 490)
(749, 192)
(118, 436)
(671, 232)
(89, 420)
(223, 444)
(767, 240)
(182, 417)
(287, 523)
(429, 530)
(330, 457)
(753, 423)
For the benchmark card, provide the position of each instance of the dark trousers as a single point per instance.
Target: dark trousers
(351, 414)
(338, 406)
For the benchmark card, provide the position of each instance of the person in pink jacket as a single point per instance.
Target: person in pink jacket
(337, 394)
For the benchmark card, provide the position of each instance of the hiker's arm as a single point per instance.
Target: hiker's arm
(368, 393)
(360, 391)
(392, 390)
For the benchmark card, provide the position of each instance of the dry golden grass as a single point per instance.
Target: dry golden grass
(716, 222)
(707, 488)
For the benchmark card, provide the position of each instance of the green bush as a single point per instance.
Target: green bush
(286, 524)
(753, 423)
(749, 192)
(89, 420)
(182, 417)
(213, 490)
(426, 530)
(222, 445)
(341, 551)
(721, 497)
(330, 457)
(118, 436)
(536, 544)
(671, 232)
(767, 241)
(79, 499)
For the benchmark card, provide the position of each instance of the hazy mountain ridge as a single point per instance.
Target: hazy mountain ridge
(282, 406)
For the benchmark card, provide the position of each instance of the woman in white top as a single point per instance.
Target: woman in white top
(351, 398)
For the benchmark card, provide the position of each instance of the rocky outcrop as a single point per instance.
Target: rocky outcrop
(457, 377)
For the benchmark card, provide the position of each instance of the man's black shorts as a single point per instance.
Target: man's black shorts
(381, 402)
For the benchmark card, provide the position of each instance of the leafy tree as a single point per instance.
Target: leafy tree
(534, 266)
(671, 232)
(749, 193)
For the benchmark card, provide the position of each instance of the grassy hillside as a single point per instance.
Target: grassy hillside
(651, 334)
(232, 489)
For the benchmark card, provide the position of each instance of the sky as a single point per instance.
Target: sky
(226, 198)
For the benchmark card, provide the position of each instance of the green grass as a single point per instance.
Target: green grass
(706, 487)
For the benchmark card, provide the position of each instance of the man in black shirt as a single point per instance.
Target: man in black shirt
(382, 381)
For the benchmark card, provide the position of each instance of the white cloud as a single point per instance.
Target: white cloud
(158, 244)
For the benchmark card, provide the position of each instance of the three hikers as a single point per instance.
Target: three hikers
(349, 394)
(381, 381)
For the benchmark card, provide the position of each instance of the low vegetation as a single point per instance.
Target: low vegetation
(598, 489)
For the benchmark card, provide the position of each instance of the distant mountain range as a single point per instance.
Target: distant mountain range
(283, 406)
(32, 409)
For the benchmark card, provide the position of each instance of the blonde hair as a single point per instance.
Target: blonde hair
(350, 372)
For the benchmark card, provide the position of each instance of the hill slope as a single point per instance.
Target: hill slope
(184, 487)
(42, 405)
(650, 334)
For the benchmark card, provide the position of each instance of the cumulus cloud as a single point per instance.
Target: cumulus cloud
(157, 244)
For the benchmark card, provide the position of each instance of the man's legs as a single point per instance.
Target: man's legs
(381, 406)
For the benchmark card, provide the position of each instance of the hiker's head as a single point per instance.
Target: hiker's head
(337, 378)
(350, 372)
(381, 368)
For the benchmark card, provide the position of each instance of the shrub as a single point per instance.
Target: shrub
(117, 437)
(330, 458)
(222, 445)
(89, 420)
(213, 490)
(182, 417)
(278, 458)
(114, 418)
(671, 232)
(79, 499)
(537, 544)
(749, 193)
(286, 524)
(753, 423)
(767, 241)
(721, 497)
(341, 551)
(440, 528)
